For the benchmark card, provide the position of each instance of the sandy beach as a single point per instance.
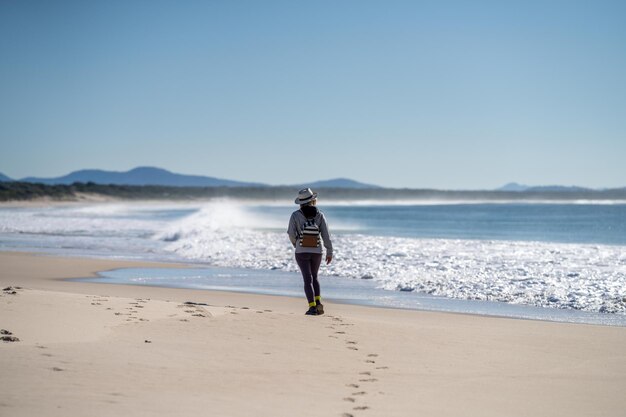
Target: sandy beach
(111, 350)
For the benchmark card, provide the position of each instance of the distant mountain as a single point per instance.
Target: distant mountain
(4, 177)
(159, 176)
(141, 176)
(339, 183)
(513, 186)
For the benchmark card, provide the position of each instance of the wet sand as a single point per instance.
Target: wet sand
(111, 350)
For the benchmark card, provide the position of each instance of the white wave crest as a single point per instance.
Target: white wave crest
(227, 234)
(574, 276)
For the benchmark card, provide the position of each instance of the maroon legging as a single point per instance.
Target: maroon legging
(309, 264)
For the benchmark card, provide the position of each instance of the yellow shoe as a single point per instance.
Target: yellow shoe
(320, 309)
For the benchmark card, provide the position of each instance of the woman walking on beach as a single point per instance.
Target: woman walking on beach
(306, 226)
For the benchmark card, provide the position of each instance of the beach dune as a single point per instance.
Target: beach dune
(111, 350)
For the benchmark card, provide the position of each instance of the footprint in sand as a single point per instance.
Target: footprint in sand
(9, 339)
(359, 393)
(353, 348)
(368, 380)
(365, 373)
(340, 332)
(361, 407)
(382, 367)
(352, 385)
(195, 312)
(11, 290)
(349, 399)
(370, 361)
(194, 303)
(347, 415)
(372, 355)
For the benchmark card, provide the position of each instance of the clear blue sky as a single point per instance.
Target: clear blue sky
(444, 94)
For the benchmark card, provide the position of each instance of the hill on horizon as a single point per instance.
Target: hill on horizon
(338, 183)
(141, 176)
(516, 187)
(163, 177)
(513, 186)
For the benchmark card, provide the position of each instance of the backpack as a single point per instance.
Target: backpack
(310, 235)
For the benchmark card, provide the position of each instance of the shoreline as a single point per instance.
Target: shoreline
(136, 350)
(497, 309)
(442, 304)
(228, 280)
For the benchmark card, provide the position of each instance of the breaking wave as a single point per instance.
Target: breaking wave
(586, 277)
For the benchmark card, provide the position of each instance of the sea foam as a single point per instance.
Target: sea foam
(577, 276)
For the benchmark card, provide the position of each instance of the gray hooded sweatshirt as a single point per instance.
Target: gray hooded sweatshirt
(296, 224)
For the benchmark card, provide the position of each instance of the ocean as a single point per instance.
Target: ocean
(564, 262)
